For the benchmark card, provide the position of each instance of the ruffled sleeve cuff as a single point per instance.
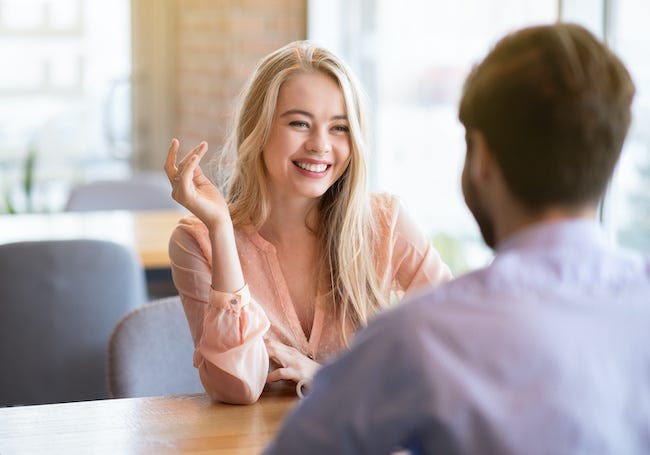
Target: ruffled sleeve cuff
(230, 301)
(232, 321)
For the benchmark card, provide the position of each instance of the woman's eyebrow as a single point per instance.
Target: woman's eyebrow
(297, 112)
(310, 115)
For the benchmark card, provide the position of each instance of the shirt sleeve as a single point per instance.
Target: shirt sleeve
(415, 261)
(227, 328)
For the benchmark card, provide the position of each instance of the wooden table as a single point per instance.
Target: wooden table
(159, 425)
(147, 232)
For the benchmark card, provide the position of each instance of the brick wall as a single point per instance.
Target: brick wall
(217, 45)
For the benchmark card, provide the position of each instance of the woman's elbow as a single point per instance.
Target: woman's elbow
(224, 387)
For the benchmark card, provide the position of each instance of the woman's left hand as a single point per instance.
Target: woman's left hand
(294, 365)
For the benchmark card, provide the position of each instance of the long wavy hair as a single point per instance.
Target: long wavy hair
(346, 227)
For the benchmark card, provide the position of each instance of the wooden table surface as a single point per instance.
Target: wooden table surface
(159, 425)
(147, 232)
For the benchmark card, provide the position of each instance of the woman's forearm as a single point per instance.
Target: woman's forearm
(227, 275)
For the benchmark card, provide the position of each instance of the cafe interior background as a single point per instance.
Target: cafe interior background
(94, 90)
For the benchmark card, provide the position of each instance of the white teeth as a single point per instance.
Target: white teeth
(312, 167)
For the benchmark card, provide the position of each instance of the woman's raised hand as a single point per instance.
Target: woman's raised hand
(192, 189)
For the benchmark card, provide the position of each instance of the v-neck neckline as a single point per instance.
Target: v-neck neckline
(308, 344)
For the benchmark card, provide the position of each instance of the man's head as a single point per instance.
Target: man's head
(552, 104)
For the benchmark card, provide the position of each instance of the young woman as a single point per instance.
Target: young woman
(277, 275)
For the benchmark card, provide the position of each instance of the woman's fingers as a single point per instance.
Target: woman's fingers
(294, 365)
(172, 168)
(195, 158)
(272, 350)
(187, 166)
(282, 374)
(202, 147)
(170, 160)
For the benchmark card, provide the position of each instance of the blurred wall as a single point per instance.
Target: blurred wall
(190, 60)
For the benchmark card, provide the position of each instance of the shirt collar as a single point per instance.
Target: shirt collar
(546, 234)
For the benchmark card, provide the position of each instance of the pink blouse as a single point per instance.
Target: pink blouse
(229, 329)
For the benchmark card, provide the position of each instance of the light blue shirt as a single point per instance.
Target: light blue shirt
(545, 351)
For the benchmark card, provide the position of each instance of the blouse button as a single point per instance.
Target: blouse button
(233, 301)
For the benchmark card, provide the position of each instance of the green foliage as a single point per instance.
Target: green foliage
(11, 210)
(452, 253)
(28, 179)
(27, 186)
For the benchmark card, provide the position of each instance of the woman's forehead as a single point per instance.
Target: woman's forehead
(312, 91)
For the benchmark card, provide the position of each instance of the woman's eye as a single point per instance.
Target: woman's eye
(299, 124)
(341, 128)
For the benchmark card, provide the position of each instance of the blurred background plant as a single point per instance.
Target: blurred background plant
(456, 252)
(20, 198)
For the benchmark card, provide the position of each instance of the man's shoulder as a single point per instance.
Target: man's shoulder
(428, 305)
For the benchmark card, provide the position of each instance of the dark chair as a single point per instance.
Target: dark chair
(150, 352)
(59, 301)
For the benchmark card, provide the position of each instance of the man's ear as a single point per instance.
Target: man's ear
(482, 162)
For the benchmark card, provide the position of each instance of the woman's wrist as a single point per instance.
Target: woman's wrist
(227, 275)
(220, 227)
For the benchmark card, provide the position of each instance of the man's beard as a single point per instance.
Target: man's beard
(481, 215)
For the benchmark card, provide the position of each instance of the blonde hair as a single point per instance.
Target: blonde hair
(347, 227)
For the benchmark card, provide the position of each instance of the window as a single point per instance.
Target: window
(413, 56)
(64, 97)
(627, 207)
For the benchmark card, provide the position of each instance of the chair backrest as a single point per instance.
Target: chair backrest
(59, 301)
(150, 352)
(138, 193)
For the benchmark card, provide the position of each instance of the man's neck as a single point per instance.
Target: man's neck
(519, 220)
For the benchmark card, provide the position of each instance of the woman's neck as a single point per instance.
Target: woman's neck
(289, 223)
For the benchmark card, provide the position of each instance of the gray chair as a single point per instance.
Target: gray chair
(150, 352)
(141, 192)
(59, 301)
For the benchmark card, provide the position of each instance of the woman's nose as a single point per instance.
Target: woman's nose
(319, 143)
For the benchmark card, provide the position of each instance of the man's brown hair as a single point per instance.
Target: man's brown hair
(554, 104)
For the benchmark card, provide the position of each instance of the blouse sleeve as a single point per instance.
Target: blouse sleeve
(227, 328)
(415, 261)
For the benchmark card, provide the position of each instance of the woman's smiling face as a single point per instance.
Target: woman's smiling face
(308, 147)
